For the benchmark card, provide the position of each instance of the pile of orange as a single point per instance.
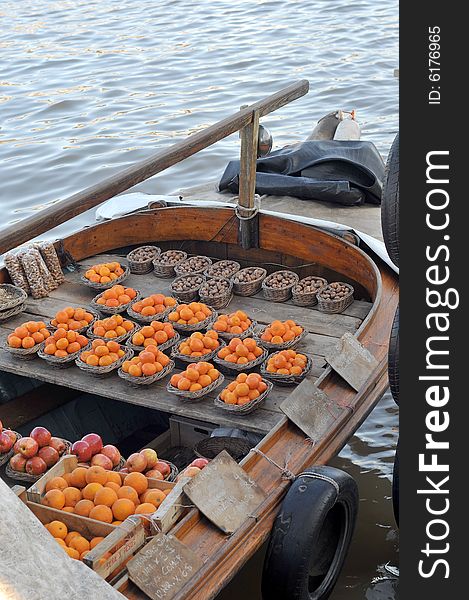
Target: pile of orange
(154, 304)
(103, 495)
(62, 343)
(116, 296)
(241, 352)
(196, 377)
(112, 327)
(149, 362)
(73, 542)
(199, 344)
(236, 322)
(155, 333)
(244, 389)
(286, 362)
(72, 318)
(28, 335)
(102, 354)
(279, 332)
(190, 314)
(104, 273)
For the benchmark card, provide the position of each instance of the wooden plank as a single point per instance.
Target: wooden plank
(247, 171)
(352, 361)
(171, 509)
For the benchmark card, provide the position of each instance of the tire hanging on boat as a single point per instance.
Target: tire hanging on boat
(393, 358)
(311, 536)
(395, 485)
(390, 203)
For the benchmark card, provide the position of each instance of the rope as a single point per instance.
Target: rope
(252, 212)
(323, 478)
(286, 473)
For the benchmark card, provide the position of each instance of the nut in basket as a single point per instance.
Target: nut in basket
(277, 286)
(335, 297)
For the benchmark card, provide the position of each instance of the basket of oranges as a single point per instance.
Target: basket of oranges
(63, 347)
(244, 394)
(157, 333)
(198, 347)
(105, 275)
(286, 367)
(152, 308)
(196, 381)
(280, 335)
(25, 341)
(114, 328)
(149, 366)
(241, 355)
(115, 300)
(234, 325)
(191, 317)
(103, 357)
(74, 319)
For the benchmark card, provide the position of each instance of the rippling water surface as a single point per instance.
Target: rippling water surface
(87, 88)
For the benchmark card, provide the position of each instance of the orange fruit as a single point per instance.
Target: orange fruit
(80, 544)
(127, 492)
(78, 477)
(123, 508)
(57, 529)
(101, 513)
(145, 509)
(95, 541)
(69, 537)
(72, 496)
(138, 481)
(72, 553)
(112, 486)
(154, 497)
(54, 498)
(89, 491)
(56, 483)
(106, 496)
(96, 474)
(83, 507)
(114, 477)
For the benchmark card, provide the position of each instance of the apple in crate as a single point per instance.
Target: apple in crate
(136, 462)
(200, 463)
(49, 455)
(41, 435)
(6, 443)
(163, 468)
(35, 466)
(151, 456)
(113, 453)
(18, 463)
(27, 446)
(101, 460)
(94, 441)
(1, 427)
(154, 474)
(82, 450)
(57, 444)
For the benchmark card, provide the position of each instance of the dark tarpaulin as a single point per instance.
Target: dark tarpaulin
(344, 172)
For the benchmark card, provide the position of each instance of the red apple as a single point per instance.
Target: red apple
(199, 462)
(18, 463)
(190, 471)
(82, 450)
(49, 455)
(101, 460)
(11, 434)
(57, 444)
(151, 456)
(136, 462)
(94, 441)
(35, 466)
(6, 443)
(26, 446)
(1, 427)
(113, 453)
(163, 468)
(154, 474)
(124, 470)
(41, 435)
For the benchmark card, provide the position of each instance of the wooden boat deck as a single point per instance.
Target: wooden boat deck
(323, 332)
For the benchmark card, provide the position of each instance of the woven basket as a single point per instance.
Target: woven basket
(188, 295)
(195, 359)
(278, 294)
(219, 301)
(148, 319)
(82, 330)
(335, 306)
(185, 267)
(18, 297)
(24, 353)
(241, 368)
(119, 339)
(219, 269)
(7, 455)
(143, 266)
(250, 288)
(211, 447)
(101, 287)
(174, 470)
(59, 362)
(286, 379)
(229, 336)
(168, 344)
(308, 298)
(200, 326)
(245, 409)
(196, 396)
(11, 312)
(112, 310)
(9, 472)
(163, 270)
(284, 346)
(104, 371)
(138, 381)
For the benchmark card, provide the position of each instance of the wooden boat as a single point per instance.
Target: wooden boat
(218, 233)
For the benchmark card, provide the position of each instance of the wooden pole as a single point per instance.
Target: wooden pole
(248, 226)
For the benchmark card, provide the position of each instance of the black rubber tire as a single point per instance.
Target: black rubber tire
(390, 203)
(393, 358)
(311, 536)
(395, 486)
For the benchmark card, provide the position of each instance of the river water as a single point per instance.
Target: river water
(89, 87)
